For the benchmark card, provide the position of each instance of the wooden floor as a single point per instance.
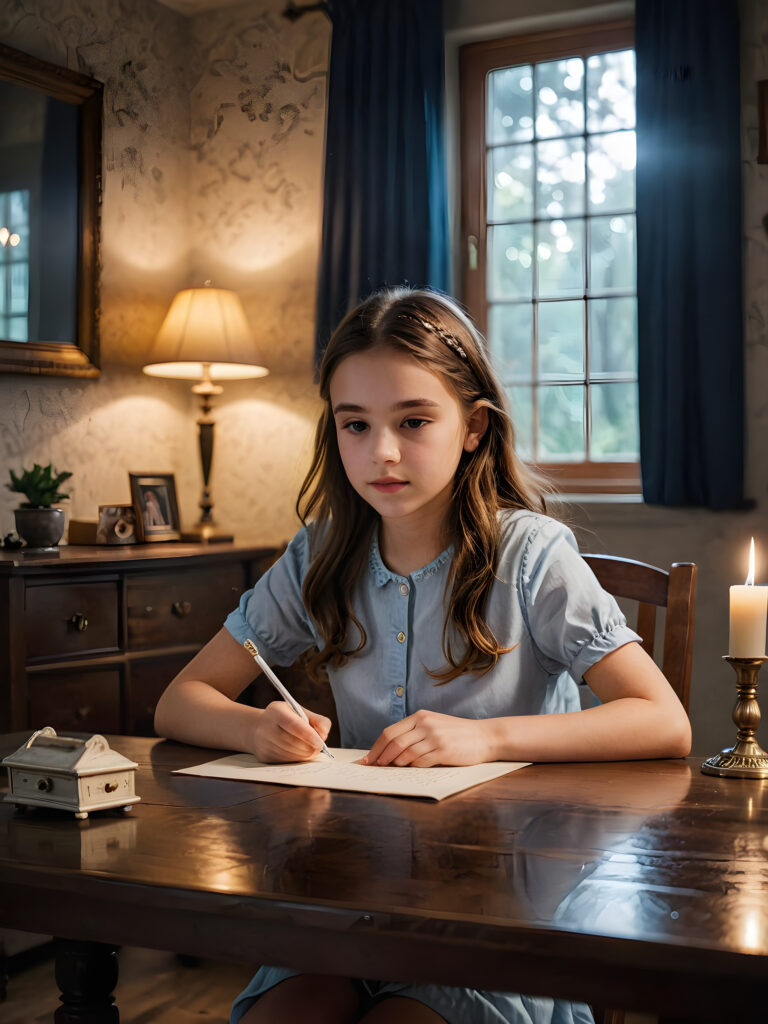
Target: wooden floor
(154, 988)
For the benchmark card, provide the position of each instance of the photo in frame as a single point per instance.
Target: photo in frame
(117, 524)
(157, 510)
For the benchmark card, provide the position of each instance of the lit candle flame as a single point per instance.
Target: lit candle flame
(750, 581)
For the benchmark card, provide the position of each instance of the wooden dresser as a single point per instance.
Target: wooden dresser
(91, 636)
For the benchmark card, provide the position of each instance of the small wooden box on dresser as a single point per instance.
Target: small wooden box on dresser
(91, 636)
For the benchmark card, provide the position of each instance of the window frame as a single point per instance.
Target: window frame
(476, 61)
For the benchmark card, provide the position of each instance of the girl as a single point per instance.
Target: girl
(454, 619)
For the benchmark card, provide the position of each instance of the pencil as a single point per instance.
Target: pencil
(253, 650)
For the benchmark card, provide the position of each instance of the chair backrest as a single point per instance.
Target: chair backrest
(654, 588)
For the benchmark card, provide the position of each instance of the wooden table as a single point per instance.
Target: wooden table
(641, 885)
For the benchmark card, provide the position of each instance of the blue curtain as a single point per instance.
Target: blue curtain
(689, 287)
(385, 217)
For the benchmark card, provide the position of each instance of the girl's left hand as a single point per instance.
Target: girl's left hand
(428, 738)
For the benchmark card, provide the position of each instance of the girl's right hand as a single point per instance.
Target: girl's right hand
(280, 736)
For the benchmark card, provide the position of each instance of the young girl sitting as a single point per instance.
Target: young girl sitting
(450, 614)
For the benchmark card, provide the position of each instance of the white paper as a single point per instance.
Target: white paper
(343, 773)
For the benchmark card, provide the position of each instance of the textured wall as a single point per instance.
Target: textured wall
(257, 134)
(213, 140)
(257, 125)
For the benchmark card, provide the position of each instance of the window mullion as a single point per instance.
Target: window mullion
(535, 391)
(586, 254)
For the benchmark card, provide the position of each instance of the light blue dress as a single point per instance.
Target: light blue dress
(545, 602)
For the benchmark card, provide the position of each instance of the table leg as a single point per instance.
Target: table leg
(86, 973)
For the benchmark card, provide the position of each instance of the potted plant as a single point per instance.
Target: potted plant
(37, 522)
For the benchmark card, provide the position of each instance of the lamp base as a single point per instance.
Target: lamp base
(205, 533)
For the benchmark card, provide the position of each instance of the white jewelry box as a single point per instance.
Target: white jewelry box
(70, 774)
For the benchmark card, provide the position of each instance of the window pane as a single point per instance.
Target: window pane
(560, 258)
(611, 162)
(611, 91)
(560, 98)
(612, 337)
(17, 247)
(19, 287)
(561, 339)
(615, 433)
(510, 340)
(612, 254)
(510, 183)
(510, 105)
(561, 423)
(18, 211)
(521, 407)
(560, 177)
(510, 262)
(17, 328)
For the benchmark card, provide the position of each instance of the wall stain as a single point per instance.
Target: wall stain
(288, 116)
(129, 69)
(132, 167)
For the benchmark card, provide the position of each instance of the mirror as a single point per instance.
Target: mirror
(50, 191)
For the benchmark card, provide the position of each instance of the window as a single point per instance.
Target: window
(548, 217)
(14, 265)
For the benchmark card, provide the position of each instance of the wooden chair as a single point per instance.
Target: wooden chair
(654, 588)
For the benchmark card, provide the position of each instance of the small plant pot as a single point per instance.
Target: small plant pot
(40, 527)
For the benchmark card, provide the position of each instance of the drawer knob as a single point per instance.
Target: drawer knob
(83, 712)
(181, 608)
(110, 787)
(44, 785)
(80, 621)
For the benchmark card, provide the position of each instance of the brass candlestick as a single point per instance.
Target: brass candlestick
(746, 759)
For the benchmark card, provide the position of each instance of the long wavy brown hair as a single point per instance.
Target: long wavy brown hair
(432, 328)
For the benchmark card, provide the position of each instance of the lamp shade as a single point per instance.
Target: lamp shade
(205, 335)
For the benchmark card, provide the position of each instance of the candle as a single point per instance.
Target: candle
(749, 605)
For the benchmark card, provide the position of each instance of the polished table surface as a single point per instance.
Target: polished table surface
(638, 884)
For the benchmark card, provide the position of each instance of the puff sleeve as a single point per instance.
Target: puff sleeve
(572, 621)
(272, 613)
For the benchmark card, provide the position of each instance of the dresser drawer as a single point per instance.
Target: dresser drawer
(146, 683)
(181, 607)
(77, 701)
(71, 618)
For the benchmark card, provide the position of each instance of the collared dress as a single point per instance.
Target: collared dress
(545, 604)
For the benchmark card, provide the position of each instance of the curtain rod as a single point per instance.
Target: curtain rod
(293, 13)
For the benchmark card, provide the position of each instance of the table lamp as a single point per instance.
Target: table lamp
(205, 337)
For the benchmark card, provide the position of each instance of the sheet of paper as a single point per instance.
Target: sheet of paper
(343, 773)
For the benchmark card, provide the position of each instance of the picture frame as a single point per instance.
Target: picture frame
(116, 525)
(153, 496)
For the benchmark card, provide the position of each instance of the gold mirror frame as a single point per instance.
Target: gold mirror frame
(57, 358)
